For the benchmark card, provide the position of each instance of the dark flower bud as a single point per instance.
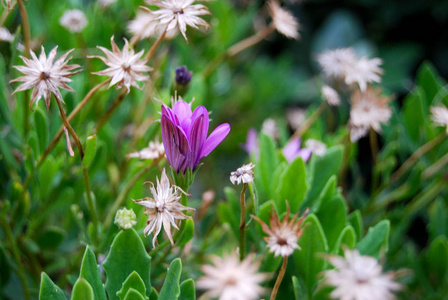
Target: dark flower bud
(183, 76)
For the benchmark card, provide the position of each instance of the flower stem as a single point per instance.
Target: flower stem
(70, 128)
(243, 223)
(154, 47)
(110, 111)
(280, 276)
(373, 138)
(416, 155)
(27, 37)
(118, 202)
(90, 202)
(310, 121)
(16, 254)
(437, 166)
(237, 48)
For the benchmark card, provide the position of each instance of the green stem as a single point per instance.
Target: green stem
(280, 276)
(243, 222)
(16, 254)
(118, 202)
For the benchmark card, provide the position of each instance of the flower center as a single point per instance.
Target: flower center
(44, 76)
(178, 11)
(231, 281)
(282, 241)
(126, 67)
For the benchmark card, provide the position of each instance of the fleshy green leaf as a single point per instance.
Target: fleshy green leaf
(437, 261)
(346, 238)
(355, 219)
(154, 295)
(375, 240)
(48, 290)
(187, 233)
(187, 290)
(82, 290)
(90, 150)
(326, 195)
(322, 169)
(127, 254)
(292, 186)
(300, 291)
(308, 264)
(135, 282)
(268, 162)
(41, 123)
(133, 295)
(333, 219)
(171, 289)
(90, 271)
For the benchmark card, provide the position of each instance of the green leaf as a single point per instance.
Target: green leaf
(47, 174)
(438, 219)
(313, 243)
(300, 291)
(52, 237)
(133, 295)
(321, 170)
(292, 186)
(127, 254)
(134, 281)
(375, 240)
(41, 124)
(90, 150)
(333, 219)
(187, 233)
(82, 290)
(346, 238)
(154, 294)
(171, 289)
(429, 81)
(230, 212)
(355, 219)
(268, 162)
(90, 271)
(48, 290)
(326, 195)
(187, 290)
(437, 261)
(414, 113)
(5, 274)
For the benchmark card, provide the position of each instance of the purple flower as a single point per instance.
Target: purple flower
(184, 135)
(292, 150)
(251, 146)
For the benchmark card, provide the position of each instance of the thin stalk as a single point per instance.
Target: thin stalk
(90, 202)
(118, 202)
(280, 276)
(237, 48)
(417, 155)
(374, 149)
(152, 253)
(16, 255)
(110, 111)
(69, 127)
(436, 167)
(154, 47)
(243, 223)
(77, 109)
(6, 13)
(27, 37)
(310, 121)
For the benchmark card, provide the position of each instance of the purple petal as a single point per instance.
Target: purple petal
(166, 111)
(175, 143)
(202, 111)
(196, 141)
(182, 110)
(251, 146)
(305, 154)
(291, 149)
(215, 138)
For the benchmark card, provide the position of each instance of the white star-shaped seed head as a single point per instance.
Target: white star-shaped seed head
(45, 75)
(125, 67)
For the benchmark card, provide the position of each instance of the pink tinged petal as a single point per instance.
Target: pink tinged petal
(175, 143)
(215, 138)
(182, 110)
(291, 150)
(305, 154)
(69, 145)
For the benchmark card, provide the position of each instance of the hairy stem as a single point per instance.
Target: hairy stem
(27, 37)
(417, 155)
(121, 197)
(70, 128)
(237, 48)
(280, 276)
(16, 255)
(154, 47)
(243, 222)
(310, 121)
(110, 111)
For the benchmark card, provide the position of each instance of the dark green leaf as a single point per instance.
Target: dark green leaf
(133, 295)
(347, 238)
(127, 254)
(333, 219)
(268, 162)
(187, 290)
(292, 186)
(41, 123)
(300, 291)
(171, 289)
(48, 290)
(375, 240)
(135, 282)
(90, 271)
(355, 219)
